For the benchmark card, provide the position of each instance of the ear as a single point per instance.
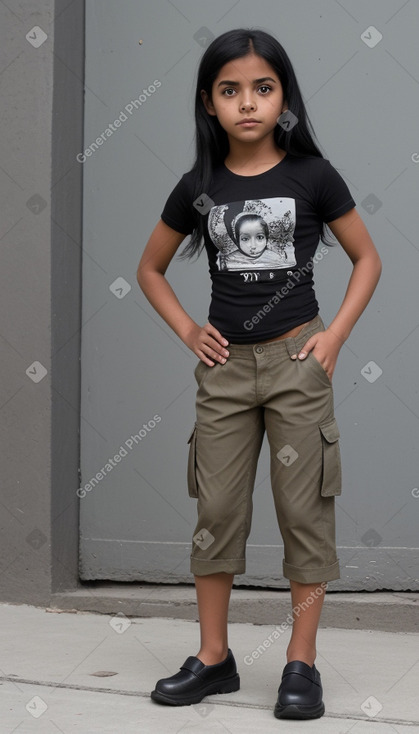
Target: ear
(207, 103)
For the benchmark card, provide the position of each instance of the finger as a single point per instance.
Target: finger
(308, 346)
(217, 353)
(207, 340)
(303, 351)
(211, 358)
(212, 331)
(206, 361)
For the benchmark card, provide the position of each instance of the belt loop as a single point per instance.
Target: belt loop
(291, 345)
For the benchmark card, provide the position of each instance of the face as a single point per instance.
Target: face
(252, 239)
(246, 87)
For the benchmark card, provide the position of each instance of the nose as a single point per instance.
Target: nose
(247, 103)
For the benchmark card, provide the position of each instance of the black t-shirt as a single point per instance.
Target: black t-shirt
(261, 235)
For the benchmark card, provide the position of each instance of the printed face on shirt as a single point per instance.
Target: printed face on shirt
(254, 234)
(252, 239)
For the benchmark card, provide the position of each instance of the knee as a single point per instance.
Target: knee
(216, 507)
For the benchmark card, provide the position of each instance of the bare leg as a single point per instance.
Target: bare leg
(306, 617)
(213, 596)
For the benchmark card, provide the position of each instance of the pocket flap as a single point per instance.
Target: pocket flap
(331, 483)
(192, 433)
(191, 471)
(330, 430)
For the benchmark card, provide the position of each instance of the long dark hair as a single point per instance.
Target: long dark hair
(211, 140)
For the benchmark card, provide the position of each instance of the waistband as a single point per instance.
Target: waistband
(290, 345)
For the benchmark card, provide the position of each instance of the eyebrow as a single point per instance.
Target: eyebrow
(255, 81)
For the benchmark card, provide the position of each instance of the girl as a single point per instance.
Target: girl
(266, 360)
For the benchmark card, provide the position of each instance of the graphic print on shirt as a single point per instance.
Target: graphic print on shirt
(254, 235)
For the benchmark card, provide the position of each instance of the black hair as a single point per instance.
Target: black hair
(211, 140)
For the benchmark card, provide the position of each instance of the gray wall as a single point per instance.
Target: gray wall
(136, 523)
(42, 118)
(364, 105)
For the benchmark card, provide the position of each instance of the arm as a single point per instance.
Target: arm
(353, 235)
(161, 247)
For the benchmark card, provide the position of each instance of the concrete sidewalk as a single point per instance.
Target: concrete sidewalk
(64, 672)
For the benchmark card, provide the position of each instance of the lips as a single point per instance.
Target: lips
(242, 122)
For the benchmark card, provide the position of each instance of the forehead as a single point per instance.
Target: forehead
(246, 70)
(253, 225)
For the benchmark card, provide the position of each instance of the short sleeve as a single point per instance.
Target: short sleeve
(333, 195)
(177, 212)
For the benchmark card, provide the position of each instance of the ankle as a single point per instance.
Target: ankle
(212, 656)
(306, 655)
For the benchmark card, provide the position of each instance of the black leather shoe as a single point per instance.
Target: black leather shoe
(196, 680)
(300, 693)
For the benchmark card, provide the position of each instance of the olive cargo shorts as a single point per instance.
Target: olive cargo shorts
(260, 387)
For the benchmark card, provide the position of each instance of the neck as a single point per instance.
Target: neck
(253, 155)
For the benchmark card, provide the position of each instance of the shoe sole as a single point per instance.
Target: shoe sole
(229, 685)
(292, 711)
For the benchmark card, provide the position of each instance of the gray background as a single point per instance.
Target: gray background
(137, 522)
(58, 431)
(41, 251)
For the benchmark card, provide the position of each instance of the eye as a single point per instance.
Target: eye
(263, 86)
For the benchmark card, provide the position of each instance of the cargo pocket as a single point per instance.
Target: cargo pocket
(331, 482)
(192, 483)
